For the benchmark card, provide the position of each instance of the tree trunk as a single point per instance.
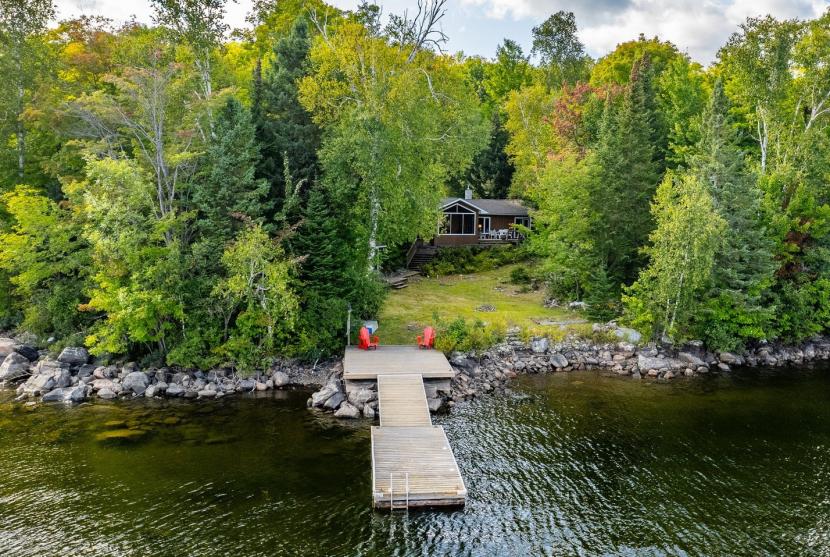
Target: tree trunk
(20, 130)
(373, 227)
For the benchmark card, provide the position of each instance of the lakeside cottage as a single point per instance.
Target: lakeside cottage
(471, 221)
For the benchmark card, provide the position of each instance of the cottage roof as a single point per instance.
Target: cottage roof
(506, 207)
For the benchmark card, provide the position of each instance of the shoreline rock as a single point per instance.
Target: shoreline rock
(71, 379)
(492, 370)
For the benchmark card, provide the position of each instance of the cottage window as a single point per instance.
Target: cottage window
(458, 220)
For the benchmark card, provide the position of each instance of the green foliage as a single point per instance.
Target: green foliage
(138, 271)
(465, 336)
(46, 263)
(260, 308)
(743, 270)
(627, 153)
(474, 259)
(681, 255)
(491, 171)
(395, 131)
(615, 68)
(561, 54)
(284, 129)
(164, 220)
(564, 224)
(330, 278)
(520, 275)
(225, 193)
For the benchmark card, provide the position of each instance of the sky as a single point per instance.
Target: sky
(476, 27)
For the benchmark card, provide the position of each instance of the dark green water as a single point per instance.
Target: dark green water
(582, 465)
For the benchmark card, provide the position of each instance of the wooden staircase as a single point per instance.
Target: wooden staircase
(422, 256)
(401, 279)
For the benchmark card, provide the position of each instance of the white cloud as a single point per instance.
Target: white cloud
(697, 27)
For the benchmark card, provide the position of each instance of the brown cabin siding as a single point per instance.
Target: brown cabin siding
(450, 240)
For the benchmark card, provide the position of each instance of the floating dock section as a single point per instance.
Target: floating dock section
(412, 462)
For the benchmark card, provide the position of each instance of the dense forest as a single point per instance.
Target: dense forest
(187, 193)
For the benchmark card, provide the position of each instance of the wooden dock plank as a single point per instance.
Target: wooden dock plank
(422, 454)
(395, 360)
(402, 401)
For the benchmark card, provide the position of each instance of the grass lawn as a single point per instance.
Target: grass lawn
(407, 311)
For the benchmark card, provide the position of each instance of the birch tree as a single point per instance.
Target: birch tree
(199, 25)
(681, 254)
(21, 59)
(394, 127)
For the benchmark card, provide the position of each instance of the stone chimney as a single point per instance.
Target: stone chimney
(468, 193)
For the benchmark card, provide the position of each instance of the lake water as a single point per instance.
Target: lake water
(572, 464)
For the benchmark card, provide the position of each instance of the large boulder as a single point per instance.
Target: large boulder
(28, 352)
(49, 366)
(14, 367)
(101, 384)
(319, 398)
(55, 395)
(38, 384)
(106, 394)
(347, 410)
(66, 394)
(690, 358)
(558, 361)
(628, 335)
(361, 396)
(280, 379)
(6, 346)
(174, 390)
(652, 362)
(334, 401)
(63, 378)
(74, 355)
(539, 345)
(731, 359)
(136, 381)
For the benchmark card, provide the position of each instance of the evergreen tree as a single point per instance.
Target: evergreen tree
(630, 172)
(284, 129)
(227, 192)
(491, 171)
(331, 277)
(226, 197)
(744, 265)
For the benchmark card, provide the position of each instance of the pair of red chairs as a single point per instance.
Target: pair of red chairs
(366, 341)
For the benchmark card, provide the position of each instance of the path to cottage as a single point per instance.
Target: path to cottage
(412, 462)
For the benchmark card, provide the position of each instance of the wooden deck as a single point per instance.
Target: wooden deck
(417, 458)
(402, 401)
(412, 462)
(395, 360)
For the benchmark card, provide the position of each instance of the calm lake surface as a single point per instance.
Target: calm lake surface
(573, 464)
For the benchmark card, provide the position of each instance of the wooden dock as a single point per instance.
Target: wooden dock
(402, 401)
(414, 467)
(394, 360)
(412, 462)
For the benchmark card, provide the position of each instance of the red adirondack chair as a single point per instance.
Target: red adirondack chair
(366, 341)
(427, 340)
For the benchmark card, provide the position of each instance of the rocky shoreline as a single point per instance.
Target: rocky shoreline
(71, 378)
(492, 370)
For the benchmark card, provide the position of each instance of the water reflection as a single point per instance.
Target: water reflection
(574, 464)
